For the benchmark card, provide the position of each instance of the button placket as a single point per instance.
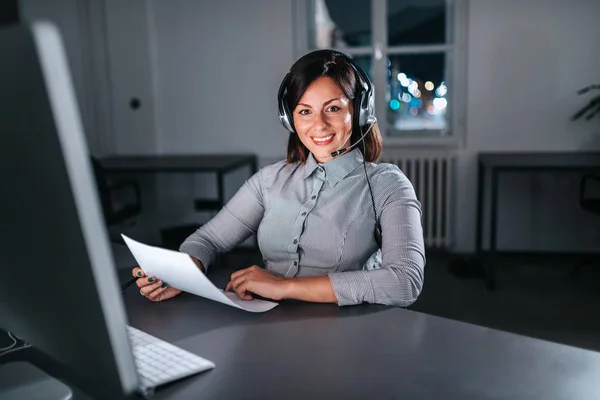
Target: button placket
(293, 269)
(297, 230)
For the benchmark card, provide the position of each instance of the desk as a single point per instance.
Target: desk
(497, 163)
(220, 164)
(321, 351)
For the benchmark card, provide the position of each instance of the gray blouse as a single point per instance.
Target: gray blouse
(314, 220)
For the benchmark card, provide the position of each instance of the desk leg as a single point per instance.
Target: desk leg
(491, 262)
(480, 198)
(480, 261)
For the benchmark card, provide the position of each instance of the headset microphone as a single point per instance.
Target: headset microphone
(340, 151)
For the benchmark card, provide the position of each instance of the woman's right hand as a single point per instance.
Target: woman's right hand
(153, 289)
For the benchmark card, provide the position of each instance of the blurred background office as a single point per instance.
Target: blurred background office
(454, 80)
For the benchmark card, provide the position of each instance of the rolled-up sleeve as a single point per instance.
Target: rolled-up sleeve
(235, 222)
(399, 281)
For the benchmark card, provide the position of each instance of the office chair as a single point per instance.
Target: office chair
(591, 204)
(113, 214)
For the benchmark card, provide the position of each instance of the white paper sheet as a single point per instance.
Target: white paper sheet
(180, 271)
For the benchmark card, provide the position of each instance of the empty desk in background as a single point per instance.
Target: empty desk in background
(497, 163)
(219, 164)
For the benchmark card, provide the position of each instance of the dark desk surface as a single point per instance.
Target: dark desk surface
(178, 163)
(312, 351)
(541, 159)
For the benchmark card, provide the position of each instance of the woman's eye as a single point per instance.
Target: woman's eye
(304, 112)
(334, 108)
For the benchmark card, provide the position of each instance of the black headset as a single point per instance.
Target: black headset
(363, 116)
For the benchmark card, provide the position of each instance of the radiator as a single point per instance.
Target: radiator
(432, 175)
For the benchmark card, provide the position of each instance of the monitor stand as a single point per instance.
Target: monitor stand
(21, 380)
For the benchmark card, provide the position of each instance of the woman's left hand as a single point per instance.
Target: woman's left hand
(256, 280)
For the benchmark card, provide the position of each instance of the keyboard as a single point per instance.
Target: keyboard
(159, 362)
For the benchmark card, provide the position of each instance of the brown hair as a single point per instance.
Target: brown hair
(336, 66)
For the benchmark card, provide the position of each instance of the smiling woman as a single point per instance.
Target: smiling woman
(326, 212)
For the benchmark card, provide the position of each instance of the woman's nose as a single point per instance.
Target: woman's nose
(320, 121)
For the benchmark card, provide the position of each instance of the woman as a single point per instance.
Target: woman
(320, 214)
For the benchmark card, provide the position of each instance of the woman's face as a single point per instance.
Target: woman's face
(323, 118)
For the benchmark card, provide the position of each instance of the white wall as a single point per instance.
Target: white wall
(219, 65)
(526, 60)
(130, 45)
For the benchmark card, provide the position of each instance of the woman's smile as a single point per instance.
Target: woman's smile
(323, 140)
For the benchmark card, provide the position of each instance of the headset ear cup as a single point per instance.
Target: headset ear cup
(366, 110)
(371, 117)
(285, 121)
(285, 116)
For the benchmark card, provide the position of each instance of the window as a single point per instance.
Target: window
(409, 49)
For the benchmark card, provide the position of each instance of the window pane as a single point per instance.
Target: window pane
(417, 92)
(416, 22)
(341, 23)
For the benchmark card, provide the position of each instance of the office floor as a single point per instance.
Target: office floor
(535, 296)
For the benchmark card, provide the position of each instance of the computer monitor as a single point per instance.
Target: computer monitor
(58, 287)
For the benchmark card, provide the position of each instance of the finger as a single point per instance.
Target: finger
(228, 287)
(145, 281)
(153, 295)
(166, 294)
(146, 290)
(240, 286)
(243, 293)
(137, 272)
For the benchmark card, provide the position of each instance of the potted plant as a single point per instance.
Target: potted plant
(592, 108)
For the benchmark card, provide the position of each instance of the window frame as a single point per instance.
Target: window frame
(455, 64)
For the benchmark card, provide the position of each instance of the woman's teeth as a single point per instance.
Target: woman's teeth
(324, 140)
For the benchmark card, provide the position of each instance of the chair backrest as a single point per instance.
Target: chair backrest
(588, 201)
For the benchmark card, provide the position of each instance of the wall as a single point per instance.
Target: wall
(130, 43)
(219, 65)
(525, 62)
(218, 68)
